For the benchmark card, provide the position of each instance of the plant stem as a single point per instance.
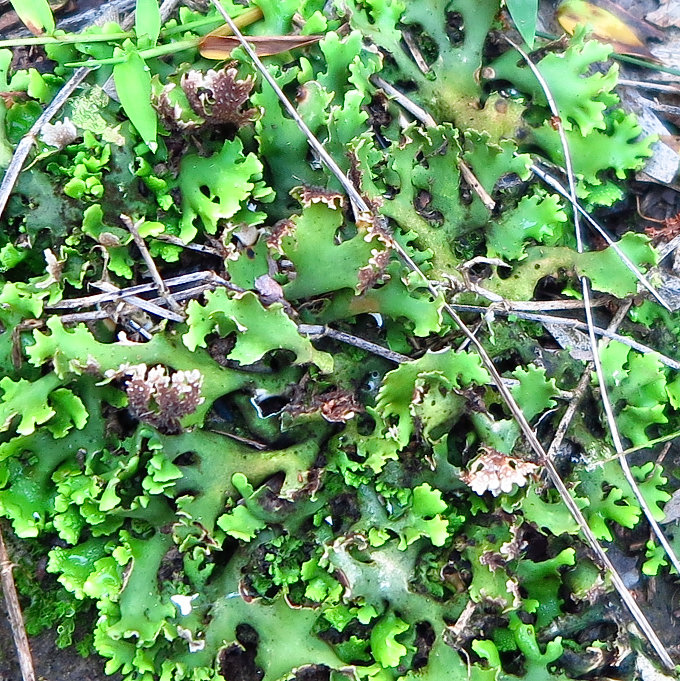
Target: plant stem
(152, 52)
(241, 21)
(65, 39)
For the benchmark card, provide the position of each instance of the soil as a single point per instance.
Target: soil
(50, 662)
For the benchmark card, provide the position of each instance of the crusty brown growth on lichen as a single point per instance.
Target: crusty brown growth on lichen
(219, 96)
(170, 112)
(335, 405)
(278, 232)
(158, 398)
(374, 272)
(495, 472)
(309, 195)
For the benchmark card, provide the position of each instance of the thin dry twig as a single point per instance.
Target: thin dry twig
(28, 140)
(163, 290)
(16, 619)
(547, 305)
(415, 52)
(476, 185)
(200, 248)
(665, 250)
(203, 278)
(404, 102)
(499, 309)
(644, 85)
(360, 206)
(260, 446)
(315, 331)
(146, 305)
(319, 331)
(555, 184)
(580, 389)
(585, 288)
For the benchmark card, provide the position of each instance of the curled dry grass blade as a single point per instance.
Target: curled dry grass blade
(221, 46)
(360, 207)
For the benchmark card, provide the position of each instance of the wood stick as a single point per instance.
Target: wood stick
(16, 619)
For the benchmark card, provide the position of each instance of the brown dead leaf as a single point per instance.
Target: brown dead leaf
(667, 15)
(605, 26)
(215, 46)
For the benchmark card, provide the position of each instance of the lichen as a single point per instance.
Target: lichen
(300, 467)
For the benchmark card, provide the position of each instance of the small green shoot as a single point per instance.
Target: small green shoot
(133, 84)
(147, 21)
(524, 13)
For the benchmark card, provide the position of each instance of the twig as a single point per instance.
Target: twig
(200, 248)
(167, 8)
(203, 278)
(604, 394)
(16, 619)
(554, 184)
(163, 290)
(415, 52)
(574, 323)
(91, 316)
(667, 249)
(319, 331)
(360, 206)
(466, 341)
(642, 85)
(147, 305)
(429, 122)
(476, 185)
(570, 412)
(245, 440)
(580, 389)
(28, 140)
(418, 112)
(547, 305)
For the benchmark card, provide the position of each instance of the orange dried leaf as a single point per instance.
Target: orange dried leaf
(221, 46)
(604, 26)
